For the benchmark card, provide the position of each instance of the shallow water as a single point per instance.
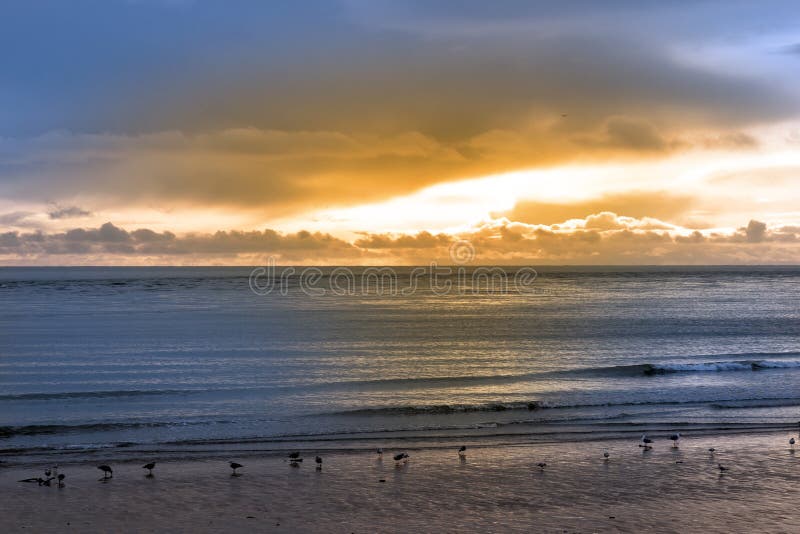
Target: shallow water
(141, 357)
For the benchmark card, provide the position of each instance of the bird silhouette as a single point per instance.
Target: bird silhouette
(149, 468)
(61, 478)
(107, 471)
(234, 467)
(462, 451)
(541, 465)
(319, 463)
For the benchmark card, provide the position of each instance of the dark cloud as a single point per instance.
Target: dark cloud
(329, 104)
(602, 238)
(112, 241)
(70, 212)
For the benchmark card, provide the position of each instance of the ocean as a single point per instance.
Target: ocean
(193, 362)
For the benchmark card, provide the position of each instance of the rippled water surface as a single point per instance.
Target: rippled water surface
(107, 356)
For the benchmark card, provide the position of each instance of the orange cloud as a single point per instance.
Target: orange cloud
(599, 239)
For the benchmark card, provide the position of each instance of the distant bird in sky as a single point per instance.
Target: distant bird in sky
(675, 438)
(234, 467)
(149, 468)
(107, 471)
(462, 451)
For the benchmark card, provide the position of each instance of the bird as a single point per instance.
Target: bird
(235, 466)
(676, 438)
(319, 463)
(379, 452)
(47, 472)
(107, 471)
(462, 451)
(791, 442)
(149, 468)
(294, 455)
(541, 466)
(646, 442)
(402, 457)
(61, 478)
(712, 450)
(722, 468)
(606, 455)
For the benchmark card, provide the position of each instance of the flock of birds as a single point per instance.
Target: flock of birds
(400, 459)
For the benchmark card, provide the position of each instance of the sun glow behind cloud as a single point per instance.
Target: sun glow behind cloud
(379, 131)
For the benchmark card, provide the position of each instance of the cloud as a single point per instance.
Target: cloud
(112, 243)
(599, 239)
(657, 204)
(70, 212)
(792, 49)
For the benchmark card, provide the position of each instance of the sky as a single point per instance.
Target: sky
(210, 132)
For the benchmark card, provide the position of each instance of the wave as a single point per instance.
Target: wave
(32, 430)
(537, 405)
(93, 394)
(652, 369)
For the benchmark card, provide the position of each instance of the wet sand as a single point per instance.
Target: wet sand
(495, 489)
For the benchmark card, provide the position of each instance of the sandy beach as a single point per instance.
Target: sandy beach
(494, 489)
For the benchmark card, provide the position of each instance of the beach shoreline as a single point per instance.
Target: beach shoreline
(495, 488)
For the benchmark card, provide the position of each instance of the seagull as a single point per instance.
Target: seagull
(722, 468)
(606, 455)
(379, 452)
(541, 465)
(402, 457)
(462, 451)
(676, 438)
(646, 442)
(712, 450)
(791, 443)
(294, 455)
(235, 466)
(107, 471)
(294, 459)
(61, 478)
(149, 468)
(318, 459)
